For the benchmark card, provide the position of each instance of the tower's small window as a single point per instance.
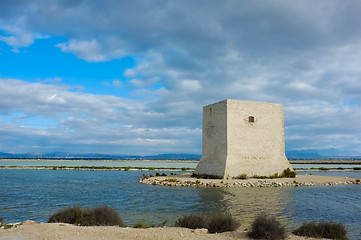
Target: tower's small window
(251, 119)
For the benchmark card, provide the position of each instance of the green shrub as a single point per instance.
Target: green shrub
(260, 177)
(357, 168)
(206, 176)
(275, 176)
(151, 168)
(265, 227)
(171, 180)
(219, 223)
(322, 230)
(191, 221)
(126, 168)
(242, 176)
(287, 173)
(324, 168)
(100, 216)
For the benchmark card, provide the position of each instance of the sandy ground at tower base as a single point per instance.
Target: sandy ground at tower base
(61, 231)
(186, 180)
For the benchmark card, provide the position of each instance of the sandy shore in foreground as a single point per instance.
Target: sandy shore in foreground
(61, 231)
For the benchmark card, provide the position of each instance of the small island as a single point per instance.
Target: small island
(186, 180)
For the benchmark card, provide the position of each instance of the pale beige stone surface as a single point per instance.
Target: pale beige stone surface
(59, 231)
(242, 137)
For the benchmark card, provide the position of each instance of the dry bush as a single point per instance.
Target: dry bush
(265, 227)
(191, 221)
(219, 223)
(100, 216)
(322, 230)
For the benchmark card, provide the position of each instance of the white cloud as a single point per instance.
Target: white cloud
(87, 50)
(17, 36)
(303, 54)
(86, 122)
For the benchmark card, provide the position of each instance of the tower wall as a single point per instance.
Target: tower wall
(214, 140)
(247, 138)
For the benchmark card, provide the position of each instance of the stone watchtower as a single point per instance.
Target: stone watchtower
(241, 137)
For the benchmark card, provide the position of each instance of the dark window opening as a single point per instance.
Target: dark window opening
(251, 119)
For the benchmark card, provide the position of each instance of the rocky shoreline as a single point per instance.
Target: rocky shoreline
(300, 180)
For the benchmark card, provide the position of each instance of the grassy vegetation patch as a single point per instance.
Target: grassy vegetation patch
(171, 180)
(287, 173)
(242, 176)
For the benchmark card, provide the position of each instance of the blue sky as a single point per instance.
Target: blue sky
(131, 77)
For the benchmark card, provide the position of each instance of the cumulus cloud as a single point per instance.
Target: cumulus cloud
(85, 121)
(17, 36)
(305, 55)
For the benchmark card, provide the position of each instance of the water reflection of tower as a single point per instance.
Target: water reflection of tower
(246, 203)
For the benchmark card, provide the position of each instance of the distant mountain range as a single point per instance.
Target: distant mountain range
(298, 154)
(324, 153)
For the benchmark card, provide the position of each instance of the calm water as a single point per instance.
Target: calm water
(36, 194)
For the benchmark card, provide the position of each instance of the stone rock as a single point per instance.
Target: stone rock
(29, 222)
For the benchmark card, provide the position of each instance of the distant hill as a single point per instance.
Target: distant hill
(322, 154)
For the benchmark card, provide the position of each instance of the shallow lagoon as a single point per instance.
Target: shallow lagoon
(36, 194)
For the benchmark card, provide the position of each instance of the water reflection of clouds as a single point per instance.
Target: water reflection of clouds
(246, 203)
